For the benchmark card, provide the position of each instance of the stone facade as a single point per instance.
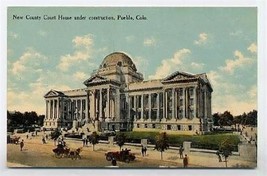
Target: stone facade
(117, 98)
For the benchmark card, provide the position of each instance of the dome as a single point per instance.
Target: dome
(118, 58)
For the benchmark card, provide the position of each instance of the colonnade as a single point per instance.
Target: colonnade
(171, 103)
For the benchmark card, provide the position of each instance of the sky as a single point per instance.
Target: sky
(61, 54)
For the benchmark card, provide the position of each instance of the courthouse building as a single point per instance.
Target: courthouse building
(116, 97)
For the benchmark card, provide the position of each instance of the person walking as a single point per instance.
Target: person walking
(142, 150)
(185, 161)
(43, 140)
(113, 162)
(181, 150)
(21, 144)
(219, 156)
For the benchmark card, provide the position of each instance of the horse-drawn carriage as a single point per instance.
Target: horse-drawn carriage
(13, 139)
(63, 151)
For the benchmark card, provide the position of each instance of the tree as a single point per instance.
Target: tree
(161, 143)
(216, 118)
(226, 119)
(94, 139)
(225, 148)
(120, 139)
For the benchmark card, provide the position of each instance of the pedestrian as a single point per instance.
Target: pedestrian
(43, 140)
(27, 136)
(83, 142)
(113, 162)
(142, 150)
(21, 144)
(219, 156)
(145, 149)
(185, 161)
(86, 142)
(181, 150)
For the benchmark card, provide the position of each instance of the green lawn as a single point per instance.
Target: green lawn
(208, 141)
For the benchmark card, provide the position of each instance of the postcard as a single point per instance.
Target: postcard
(132, 87)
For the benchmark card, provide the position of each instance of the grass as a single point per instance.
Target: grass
(209, 141)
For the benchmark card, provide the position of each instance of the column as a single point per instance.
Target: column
(163, 104)
(205, 110)
(92, 104)
(184, 104)
(107, 105)
(158, 106)
(149, 106)
(46, 110)
(142, 107)
(195, 102)
(100, 105)
(58, 108)
(54, 109)
(166, 104)
(117, 105)
(86, 109)
(135, 109)
(173, 105)
(112, 104)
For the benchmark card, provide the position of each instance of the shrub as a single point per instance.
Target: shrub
(209, 141)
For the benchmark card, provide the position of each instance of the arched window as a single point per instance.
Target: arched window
(119, 63)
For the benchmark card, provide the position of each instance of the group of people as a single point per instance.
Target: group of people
(85, 141)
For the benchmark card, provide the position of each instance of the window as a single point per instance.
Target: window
(181, 102)
(137, 126)
(191, 91)
(153, 125)
(178, 127)
(168, 127)
(180, 92)
(190, 127)
(145, 125)
(119, 63)
(191, 101)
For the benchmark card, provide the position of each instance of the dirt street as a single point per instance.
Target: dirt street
(36, 154)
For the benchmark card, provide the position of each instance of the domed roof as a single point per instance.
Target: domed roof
(118, 58)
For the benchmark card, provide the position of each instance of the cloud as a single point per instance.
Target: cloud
(169, 65)
(150, 41)
(236, 33)
(85, 41)
(202, 39)
(33, 98)
(244, 105)
(130, 38)
(252, 48)
(83, 52)
(195, 65)
(239, 61)
(13, 35)
(79, 75)
(29, 60)
(42, 33)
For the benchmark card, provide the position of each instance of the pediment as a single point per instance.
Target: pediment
(178, 76)
(53, 93)
(95, 79)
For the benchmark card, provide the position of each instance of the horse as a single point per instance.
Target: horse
(75, 154)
